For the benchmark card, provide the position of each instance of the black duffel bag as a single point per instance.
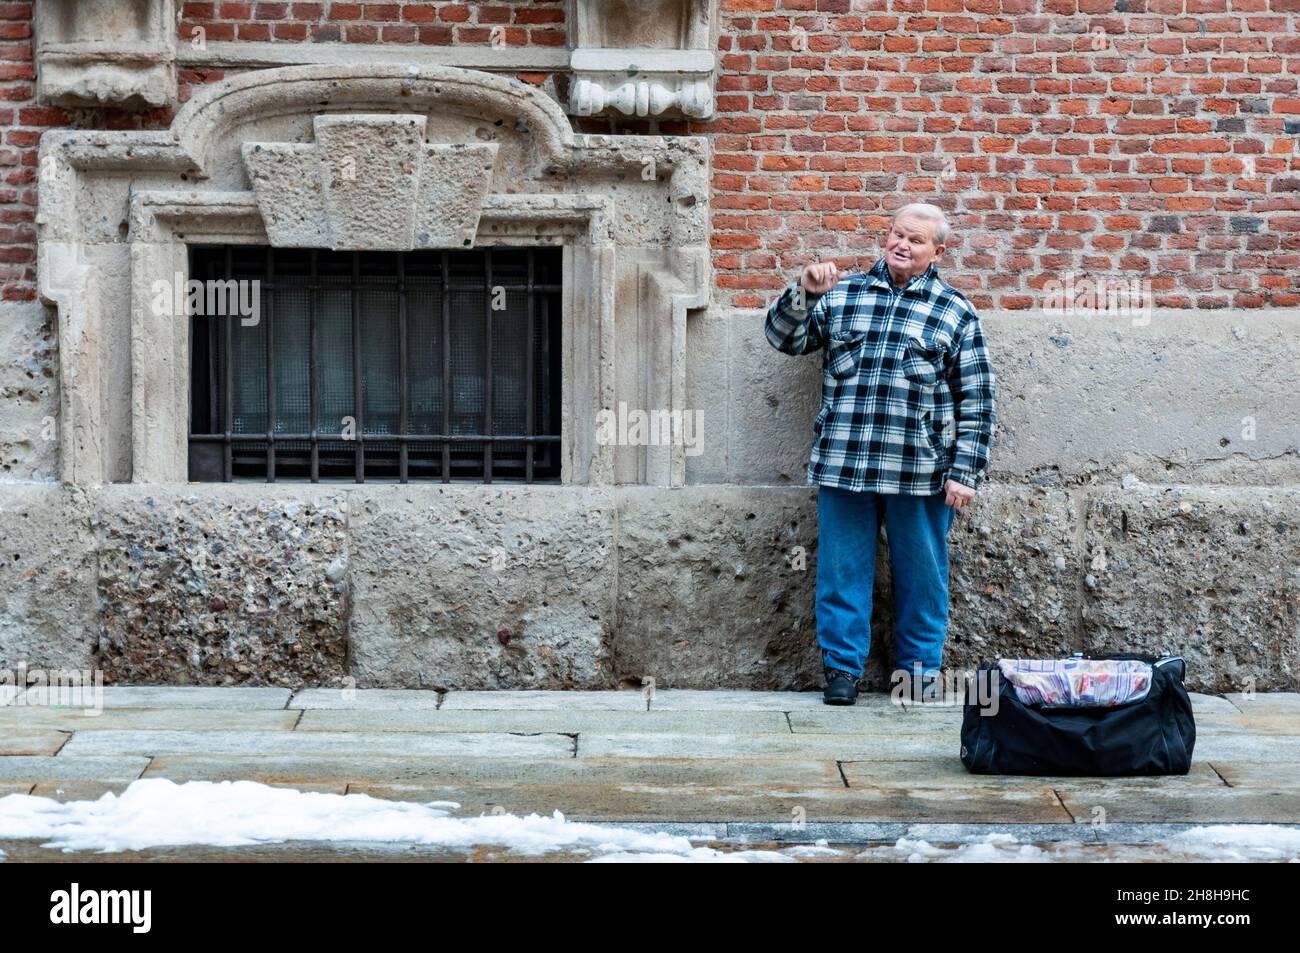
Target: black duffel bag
(1153, 735)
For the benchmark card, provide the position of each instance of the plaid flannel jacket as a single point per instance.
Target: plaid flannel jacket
(907, 387)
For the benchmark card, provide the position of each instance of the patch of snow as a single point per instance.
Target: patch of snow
(813, 850)
(700, 854)
(157, 812)
(1220, 842)
(1239, 842)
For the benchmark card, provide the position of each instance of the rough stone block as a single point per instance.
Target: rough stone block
(468, 587)
(48, 607)
(29, 404)
(1209, 573)
(1013, 577)
(715, 587)
(234, 585)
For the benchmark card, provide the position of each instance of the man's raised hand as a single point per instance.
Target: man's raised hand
(819, 277)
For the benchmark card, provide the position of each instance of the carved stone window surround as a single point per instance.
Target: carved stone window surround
(118, 209)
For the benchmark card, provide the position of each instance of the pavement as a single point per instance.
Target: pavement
(725, 767)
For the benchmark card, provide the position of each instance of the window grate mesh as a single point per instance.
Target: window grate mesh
(455, 356)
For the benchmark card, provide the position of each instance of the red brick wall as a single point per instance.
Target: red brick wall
(22, 123)
(522, 22)
(1132, 159)
(1146, 138)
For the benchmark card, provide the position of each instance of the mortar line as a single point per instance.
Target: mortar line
(147, 765)
(298, 721)
(63, 743)
(788, 723)
(839, 766)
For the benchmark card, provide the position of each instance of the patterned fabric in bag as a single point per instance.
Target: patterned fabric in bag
(1075, 682)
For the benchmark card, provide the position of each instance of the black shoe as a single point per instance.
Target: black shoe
(841, 687)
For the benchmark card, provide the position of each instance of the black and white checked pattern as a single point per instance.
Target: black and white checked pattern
(907, 387)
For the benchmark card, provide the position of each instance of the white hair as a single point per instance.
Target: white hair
(930, 213)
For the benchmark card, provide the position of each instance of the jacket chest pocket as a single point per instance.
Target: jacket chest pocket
(844, 353)
(922, 361)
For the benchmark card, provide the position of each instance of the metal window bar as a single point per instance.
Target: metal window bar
(358, 393)
(446, 365)
(269, 316)
(313, 305)
(489, 300)
(215, 377)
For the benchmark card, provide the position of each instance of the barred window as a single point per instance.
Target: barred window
(455, 356)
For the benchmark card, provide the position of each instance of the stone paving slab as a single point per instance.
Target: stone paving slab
(304, 773)
(1280, 702)
(950, 772)
(895, 746)
(147, 719)
(569, 722)
(1210, 704)
(637, 802)
(356, 745)
(1254, 774)
(682, 773)
(1156, 804)
(681, 699)
(1249, 722)
(367, 699)
(178, 696)
(1242, 746)
(874, 720)
(31, 741)
(630, 700)
(32, 770)
(79, 790)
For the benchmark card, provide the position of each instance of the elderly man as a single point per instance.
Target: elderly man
(902, 437)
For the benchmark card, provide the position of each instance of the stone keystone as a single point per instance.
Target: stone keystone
(370, 182)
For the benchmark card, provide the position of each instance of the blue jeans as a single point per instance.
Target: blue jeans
(917, 527)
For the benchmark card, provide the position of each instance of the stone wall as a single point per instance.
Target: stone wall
(463, 587)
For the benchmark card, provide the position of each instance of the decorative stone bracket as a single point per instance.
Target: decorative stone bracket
(628, 82)
(642, 57)
(105, 52)
(370, 182)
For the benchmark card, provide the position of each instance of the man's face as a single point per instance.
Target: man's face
(909, 246)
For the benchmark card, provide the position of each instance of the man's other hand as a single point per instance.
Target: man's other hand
(958, 495)
(820, 277)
